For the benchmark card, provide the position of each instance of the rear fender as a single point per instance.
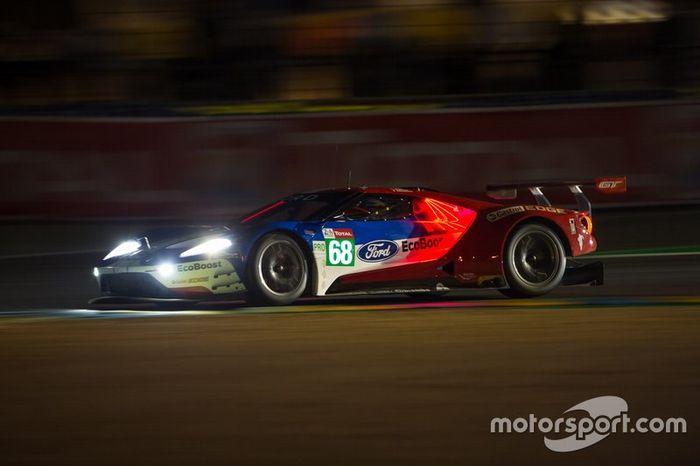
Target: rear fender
(567, 224)
(483, 250)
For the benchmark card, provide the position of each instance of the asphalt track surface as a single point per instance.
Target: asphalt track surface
(387, 380)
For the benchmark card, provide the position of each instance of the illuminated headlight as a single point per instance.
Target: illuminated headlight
(166, 270)
(127, 247)
(208, 247)
(96, 272)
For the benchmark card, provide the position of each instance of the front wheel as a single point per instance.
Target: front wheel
(534, 261)
(277, 271)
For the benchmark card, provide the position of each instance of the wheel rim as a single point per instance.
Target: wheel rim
(536, 258)
(281, 268)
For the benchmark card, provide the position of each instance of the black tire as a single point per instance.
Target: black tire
(278, 271)
(534, 261)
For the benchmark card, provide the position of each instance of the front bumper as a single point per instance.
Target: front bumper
(134, 284)
(185, 279)
(130, 300)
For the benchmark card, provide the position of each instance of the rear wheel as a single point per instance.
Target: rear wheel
(534, 262)
(277, 271)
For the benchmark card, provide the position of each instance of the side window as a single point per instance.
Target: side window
(376, 207)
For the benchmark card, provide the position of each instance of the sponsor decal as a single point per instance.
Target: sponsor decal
(215, 275)
(191, 280)
(340, 252)
(198, 266)
(608, 184)
(506, 211)
(198, 280)
(416, 244)
(499, 214)
(611, 184)
(543, 208)
(319, 246)
(377, 251)
(572, 226)
(342, 232)
(335, 233)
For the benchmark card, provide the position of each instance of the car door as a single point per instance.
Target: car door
(366, 234)
(385, 231)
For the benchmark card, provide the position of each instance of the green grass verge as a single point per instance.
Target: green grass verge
(648, 251)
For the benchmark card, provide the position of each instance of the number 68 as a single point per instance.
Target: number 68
(340, 252)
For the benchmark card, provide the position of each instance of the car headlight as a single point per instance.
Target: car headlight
(127, 247)
(166, 270)
(208, 247)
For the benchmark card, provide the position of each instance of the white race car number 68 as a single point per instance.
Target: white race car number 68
(340, 252)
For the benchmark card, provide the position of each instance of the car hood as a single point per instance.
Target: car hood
(169, 242)
(167, 237)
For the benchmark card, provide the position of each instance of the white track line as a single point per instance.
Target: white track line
(641, 254)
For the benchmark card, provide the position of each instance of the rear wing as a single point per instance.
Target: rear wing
(607, 185)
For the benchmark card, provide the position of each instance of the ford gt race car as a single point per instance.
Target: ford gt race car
(366, 240)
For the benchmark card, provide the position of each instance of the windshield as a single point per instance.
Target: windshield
(298, 207)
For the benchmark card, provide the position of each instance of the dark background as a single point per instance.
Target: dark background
(205, 108)
(68, 51)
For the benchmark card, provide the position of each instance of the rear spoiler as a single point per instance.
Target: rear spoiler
(607, 185)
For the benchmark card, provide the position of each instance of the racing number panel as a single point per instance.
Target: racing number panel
(394, 238)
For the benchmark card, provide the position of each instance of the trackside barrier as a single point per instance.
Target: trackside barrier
(211, 166)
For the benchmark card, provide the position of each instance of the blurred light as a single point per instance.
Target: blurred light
(127, 247)
(96, 272)
(166, 269)
(620, 12)
(208, 247)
